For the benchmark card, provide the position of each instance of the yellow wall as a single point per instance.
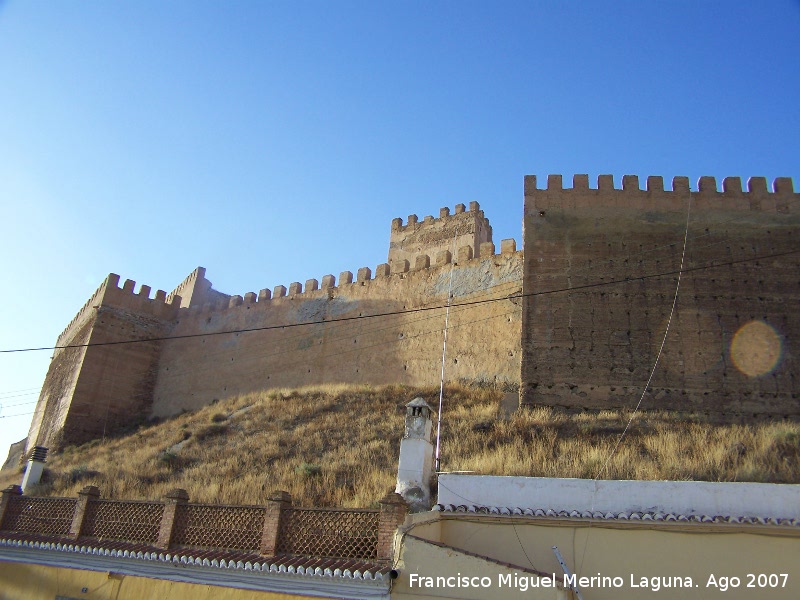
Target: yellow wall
(32, 582)
(420, 560)
(649, 550)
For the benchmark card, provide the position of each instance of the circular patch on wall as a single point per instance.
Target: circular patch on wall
(756, 349)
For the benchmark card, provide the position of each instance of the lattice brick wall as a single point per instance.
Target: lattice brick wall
(47, 516)
(127, 521)
(209, 526)
(330, 533)
(274, 529)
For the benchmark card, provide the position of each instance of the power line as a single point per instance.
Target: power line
(19, 395)
(18, 403)
(18, 415)
(420, 309)
(30, 389)
(337, 333)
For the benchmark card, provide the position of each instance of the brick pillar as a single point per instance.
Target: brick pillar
(85, 496)
(171, 502)
(277, 503)
(8, 493)
(393, 513)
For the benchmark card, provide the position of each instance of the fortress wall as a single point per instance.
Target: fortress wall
(85, 314)
(598, 274)
(432, 235)
(732, 345)
(58, 388)
(483, 339)
(196, 290)
(91, 390)
(186, 287)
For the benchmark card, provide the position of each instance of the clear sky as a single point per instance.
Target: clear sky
(273, 142)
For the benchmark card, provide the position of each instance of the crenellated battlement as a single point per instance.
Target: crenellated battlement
(160, 306)
(109, 293)
(444, 213)
(81, 315)
(313, 288)
(561, 342)
(195, 291)
(708, 196)
(431, 236)
(185, 287)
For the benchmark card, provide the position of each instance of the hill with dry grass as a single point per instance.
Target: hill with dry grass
(338, 446)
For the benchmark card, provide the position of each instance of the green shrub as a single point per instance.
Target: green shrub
(308, 470)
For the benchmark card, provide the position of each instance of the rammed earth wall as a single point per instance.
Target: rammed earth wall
(377, 327)
(577, 322)
(732, 344)
(337, 335)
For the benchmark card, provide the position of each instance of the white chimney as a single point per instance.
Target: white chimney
(416, 457)
(33, 473)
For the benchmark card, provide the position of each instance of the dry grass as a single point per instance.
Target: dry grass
(546, 442)
(338, 446)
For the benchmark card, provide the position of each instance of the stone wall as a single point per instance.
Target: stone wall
(601, 269)
(438, 237)
(578, 322)
(95, 384)
(197, 345)
(375, 330)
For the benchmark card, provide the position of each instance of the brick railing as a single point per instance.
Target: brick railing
(274, 529)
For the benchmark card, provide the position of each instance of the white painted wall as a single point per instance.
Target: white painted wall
(677, 497)
(414, 468)
(33, 474)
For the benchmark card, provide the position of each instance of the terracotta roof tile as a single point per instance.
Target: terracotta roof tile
(312, 566)
(613, 516)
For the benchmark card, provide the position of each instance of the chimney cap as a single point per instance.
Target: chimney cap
(419, 401)
(418, 408)
(39, 454)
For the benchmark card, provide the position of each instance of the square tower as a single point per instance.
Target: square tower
(449, 232)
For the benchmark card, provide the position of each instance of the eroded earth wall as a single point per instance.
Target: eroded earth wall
(601, 271)
(95, 384)
(127, 356)
(376, 328)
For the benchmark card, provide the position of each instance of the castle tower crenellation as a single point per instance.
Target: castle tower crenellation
(434, 235)
(110, 294)
(401, 268)
(465, 234)
(635, 232)
(655, 183)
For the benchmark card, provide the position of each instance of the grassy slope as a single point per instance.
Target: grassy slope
(338, 446)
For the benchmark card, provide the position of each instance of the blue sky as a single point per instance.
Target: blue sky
(273, 142)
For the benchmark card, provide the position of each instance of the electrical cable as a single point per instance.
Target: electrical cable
(409, 311)
(291, 355)
(660, 349)
(646, 386)
(28, 390)
(18, 396)
(444, 355)
(17, 404)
